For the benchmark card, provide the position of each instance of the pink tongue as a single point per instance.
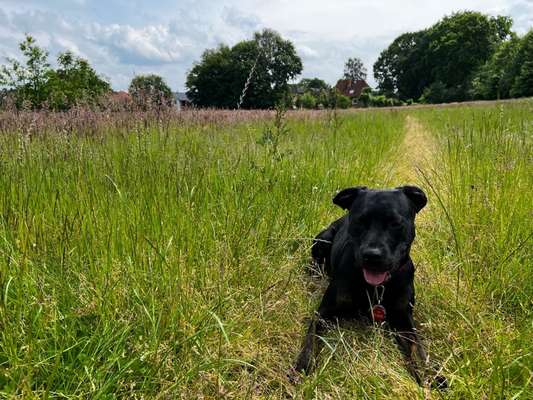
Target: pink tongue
(374, 278)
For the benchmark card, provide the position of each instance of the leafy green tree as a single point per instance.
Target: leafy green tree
(323, 99)
(74, 82)
(313, 84)
(461, 43)
(215, 81)
(523, 64)
(150, 92)
(402, 69)
(435, 93)
(311, 93)
(220, 78)
(27, 80)
(35, 84)
(509, 72)
(307, 100)
(441, 62)
(496, 77)
(354, 69)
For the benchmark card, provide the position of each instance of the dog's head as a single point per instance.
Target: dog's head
(381, 225)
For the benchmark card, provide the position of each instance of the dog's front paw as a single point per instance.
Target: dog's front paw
(304, 362)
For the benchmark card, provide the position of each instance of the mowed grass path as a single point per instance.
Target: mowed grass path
(169, 263)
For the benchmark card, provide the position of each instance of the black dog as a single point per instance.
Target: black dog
(366, 256)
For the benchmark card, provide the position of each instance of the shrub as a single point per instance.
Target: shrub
(307, 100)
(343, 101)
(150, 92)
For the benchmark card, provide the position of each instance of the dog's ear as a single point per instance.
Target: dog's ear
(415, 195)
(345, 197)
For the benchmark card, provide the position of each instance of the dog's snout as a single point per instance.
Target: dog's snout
(372, 255)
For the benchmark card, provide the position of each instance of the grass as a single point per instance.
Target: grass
(166, 260)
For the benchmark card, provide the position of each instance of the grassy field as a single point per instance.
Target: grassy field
(166, 259)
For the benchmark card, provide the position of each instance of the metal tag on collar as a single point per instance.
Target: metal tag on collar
(379, 313)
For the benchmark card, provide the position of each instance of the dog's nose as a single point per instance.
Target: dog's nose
(372, 255)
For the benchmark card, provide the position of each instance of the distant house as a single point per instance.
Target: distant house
(119, 101)
(120, 96)
(182, 101)
(350, 88)
(296, 89)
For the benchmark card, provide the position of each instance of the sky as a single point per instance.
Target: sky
(123, 38)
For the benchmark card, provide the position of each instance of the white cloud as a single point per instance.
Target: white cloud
(152, 44)
(70, 45)
(307, 52)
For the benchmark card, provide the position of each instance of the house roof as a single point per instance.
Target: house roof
(351, 88)
(120, 96)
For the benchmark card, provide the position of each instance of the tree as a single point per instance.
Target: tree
(496, 77)
(442, 60)
(35, 84)
(27, 80)
(523, 65)
(461, 43)
(307, 100)
(214, 81)
(74, 82)
(220, 78)
(150, 92)
(509, 72)
(311, 93)
(314, 84)
(354, 69)
(402, 69)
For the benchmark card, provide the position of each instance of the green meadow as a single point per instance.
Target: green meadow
(168, 260)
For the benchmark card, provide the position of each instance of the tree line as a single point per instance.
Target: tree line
(33, 84)
(464, 56)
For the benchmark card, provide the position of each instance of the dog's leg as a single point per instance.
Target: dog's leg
(311, 344)
(407, 339)
(411, 347)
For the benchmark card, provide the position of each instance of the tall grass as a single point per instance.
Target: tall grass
(485, 181)
(163, 256)
(478, 250)
(167, 261)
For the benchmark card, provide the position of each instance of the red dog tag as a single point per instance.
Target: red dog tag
(378, 313)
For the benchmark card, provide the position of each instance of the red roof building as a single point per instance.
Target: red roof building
(350, 88)
(120, 96)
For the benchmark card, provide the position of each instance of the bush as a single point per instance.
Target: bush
(364, 98)
(150, 92)
(379, 101)
(307, 100)
(343, 101)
